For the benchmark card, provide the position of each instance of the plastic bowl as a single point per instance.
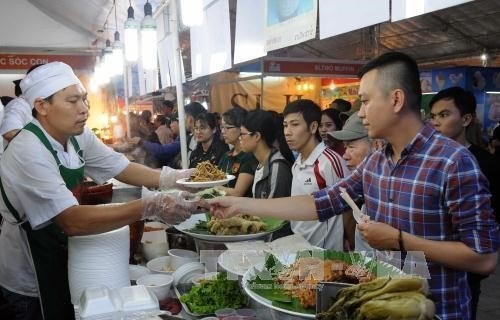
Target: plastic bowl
(154, 250)
(197, 280)
(165, 264)
(158, 284)
(135, 272)
(186, 255)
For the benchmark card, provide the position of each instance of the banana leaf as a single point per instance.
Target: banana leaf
(279, 298)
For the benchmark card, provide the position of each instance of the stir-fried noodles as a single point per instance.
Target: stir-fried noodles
(206, 171)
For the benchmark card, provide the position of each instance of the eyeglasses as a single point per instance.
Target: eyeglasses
(225, 128)
(245, 134)
(200, 128)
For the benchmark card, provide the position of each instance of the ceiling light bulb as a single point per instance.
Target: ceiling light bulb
(131, 29)
(149, 41)
(484, 56)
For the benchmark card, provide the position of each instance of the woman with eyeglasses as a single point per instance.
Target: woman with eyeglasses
(236, 162)
(273, 176)
(209, 146)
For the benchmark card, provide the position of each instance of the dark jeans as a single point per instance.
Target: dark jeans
(21, 307)
(474, 281)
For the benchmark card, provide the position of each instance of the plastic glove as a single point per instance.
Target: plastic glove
(168, 207)
(169, 176)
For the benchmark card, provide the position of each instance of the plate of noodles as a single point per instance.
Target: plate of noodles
(206, 175)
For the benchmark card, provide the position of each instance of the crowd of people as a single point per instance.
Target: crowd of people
(422, 184)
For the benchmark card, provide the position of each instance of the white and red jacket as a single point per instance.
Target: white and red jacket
(322, 168)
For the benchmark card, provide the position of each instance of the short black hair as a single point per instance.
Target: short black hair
(162, 119)
(207, 118)
(168, 103)
(464, 100)
(310, 111)
(397, 70)
(343, 105)
(334, 114)
(234, 116)
(194, 109)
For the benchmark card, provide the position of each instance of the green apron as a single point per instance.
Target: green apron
(49, 245)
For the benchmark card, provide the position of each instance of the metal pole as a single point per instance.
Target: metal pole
(125, 93)
(178, 85)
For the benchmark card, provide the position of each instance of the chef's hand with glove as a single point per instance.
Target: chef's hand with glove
(169, 176)
(168, 207)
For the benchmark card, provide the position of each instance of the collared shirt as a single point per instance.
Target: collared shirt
(37, 191)
(322, 168)
(435, 191)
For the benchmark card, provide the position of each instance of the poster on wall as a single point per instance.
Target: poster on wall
(209, 53)
(289, 22)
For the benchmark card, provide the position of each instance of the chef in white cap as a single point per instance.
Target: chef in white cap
(41, 174)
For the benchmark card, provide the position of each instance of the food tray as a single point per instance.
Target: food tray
(181, 289)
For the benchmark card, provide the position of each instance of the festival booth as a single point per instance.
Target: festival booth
(271, 83)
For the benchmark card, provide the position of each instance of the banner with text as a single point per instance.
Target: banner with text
(13, 61)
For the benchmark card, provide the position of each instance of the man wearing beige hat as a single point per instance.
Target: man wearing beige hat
(41, 174)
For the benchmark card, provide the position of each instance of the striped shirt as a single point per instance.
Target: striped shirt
(322, 168)
(436, 191)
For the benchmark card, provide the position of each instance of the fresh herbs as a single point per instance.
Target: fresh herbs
(214, 294)
(210, 193)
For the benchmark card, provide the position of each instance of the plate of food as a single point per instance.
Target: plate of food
(238, 228)
(206, 175)
(292, 288)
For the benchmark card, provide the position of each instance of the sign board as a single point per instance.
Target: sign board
(12, 61)
(284, 67)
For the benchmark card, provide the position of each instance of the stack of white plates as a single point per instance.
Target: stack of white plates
(187, 272)
(98, 260)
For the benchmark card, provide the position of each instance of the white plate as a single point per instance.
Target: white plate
(268, 303)
(205, 184)
(190, 223)
(239, 261)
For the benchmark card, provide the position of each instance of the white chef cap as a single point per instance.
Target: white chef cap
(46, 80)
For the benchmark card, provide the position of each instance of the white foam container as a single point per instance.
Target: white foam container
(137, 302)
(133, 302)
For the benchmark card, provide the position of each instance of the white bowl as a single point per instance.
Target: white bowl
(154, 226)
(158, 284)
(154, 250)
(166, 264)
(187, 255)
(135, 271)
(196, 280)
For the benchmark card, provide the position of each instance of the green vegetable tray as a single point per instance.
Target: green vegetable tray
(205, 299)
